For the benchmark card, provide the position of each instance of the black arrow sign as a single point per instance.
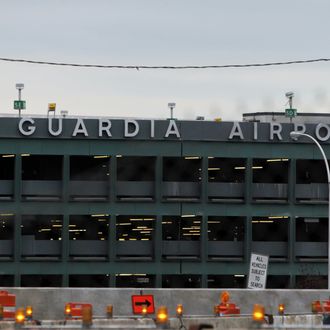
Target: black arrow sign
(141, 303)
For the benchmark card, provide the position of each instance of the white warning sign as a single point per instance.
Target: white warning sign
(258, 271)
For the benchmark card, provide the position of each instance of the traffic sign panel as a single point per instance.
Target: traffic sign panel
(139, 301)
(290, 113)
(19, 104)
(258, 271)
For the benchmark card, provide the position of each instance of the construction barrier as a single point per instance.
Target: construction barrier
(225, 307)
(8, 303)
(321, 306)
(73, 310)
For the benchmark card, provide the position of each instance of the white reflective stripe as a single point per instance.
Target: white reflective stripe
(9, 309)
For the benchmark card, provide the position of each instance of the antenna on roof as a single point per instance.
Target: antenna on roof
(64, 113)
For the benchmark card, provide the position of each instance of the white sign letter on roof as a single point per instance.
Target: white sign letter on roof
(301, 128)
(172, 129)
(135, 130)
(80, 128)
(318, 129)
(30, 129)
(236, 131)
(50, 127)
(255, 131)
(275, 129)
(104, 126)
(152, 128)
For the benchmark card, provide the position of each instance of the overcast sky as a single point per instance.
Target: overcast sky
(165, 32)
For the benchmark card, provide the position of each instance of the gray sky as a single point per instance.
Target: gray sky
(166, 32)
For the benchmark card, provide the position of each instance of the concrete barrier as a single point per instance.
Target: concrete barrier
(220, 323)
(48, 303)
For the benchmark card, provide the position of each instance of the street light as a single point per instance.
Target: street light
(295, 136)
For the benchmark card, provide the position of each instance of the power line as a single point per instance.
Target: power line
(166, 67)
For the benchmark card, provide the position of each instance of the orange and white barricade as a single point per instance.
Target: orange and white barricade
(73, 310)
(8, 303)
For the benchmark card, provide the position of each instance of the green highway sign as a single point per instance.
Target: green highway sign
(290, 113)
(19, 105)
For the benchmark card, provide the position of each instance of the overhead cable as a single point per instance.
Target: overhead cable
(166, 67)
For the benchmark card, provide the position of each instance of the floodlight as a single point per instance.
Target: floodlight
(289, 94)
(294, 135)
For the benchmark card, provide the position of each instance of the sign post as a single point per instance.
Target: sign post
(19, 104)
(258, 271)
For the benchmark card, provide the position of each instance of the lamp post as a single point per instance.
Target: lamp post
(295, 136)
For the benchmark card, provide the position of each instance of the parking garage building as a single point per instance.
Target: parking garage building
(98, 202)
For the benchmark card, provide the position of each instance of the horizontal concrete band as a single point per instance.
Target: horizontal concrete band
(291, 322)
(48, 303)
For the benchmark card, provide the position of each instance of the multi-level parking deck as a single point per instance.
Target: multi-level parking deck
(160, 203)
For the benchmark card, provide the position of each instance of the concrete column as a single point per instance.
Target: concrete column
(17, 247)
(292, 283)
(157, 244)
(66, 219)
(17, 278)
(112, 249)
(112, 238)
(292, 220)
(204, 180)
(112, 280)
(248, 180)
(18, 218)
(204, 220)
(204, 244)
(18, 178)
(247, 240)
(65, 178)
(112, 224)
(292, 181)
(113, 178)
(158, 236)
(109, 163)
(248, 220)
(158, 179)
(65, 249)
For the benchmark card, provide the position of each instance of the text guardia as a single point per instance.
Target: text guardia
(131, 128)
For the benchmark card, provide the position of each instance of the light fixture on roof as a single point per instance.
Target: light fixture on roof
(64, 113)
(171, 105)
(290, 96)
